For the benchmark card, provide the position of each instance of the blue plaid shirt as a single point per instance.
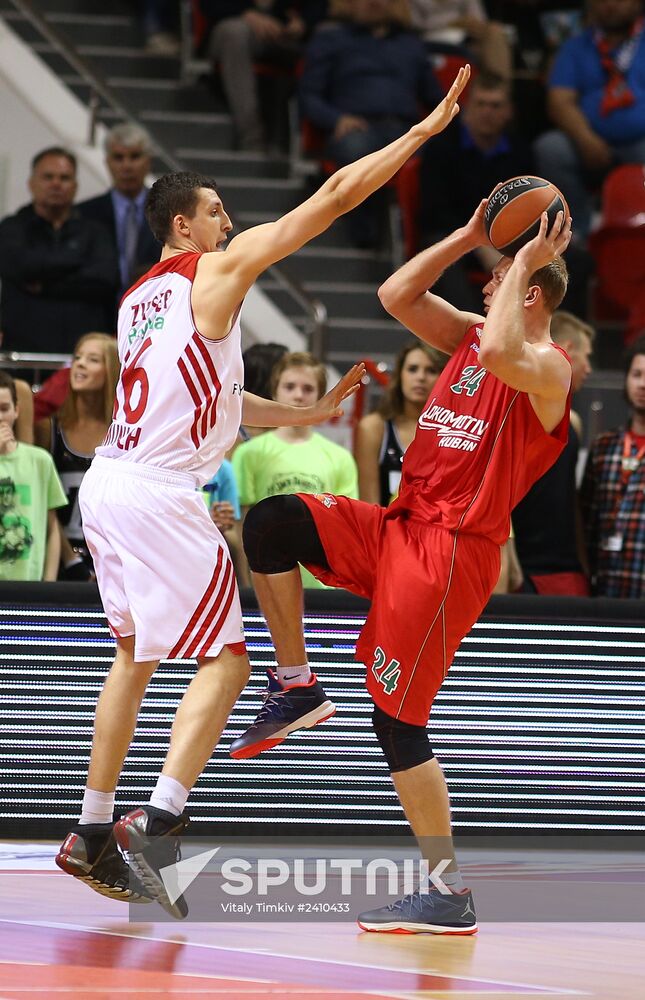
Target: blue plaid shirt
(613, 512)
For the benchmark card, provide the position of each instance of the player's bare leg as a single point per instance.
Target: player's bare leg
(281, 598)
(423, 793)
(150, 836)
(89, 851)
(203, 713)
(116, 715)
(285, 708)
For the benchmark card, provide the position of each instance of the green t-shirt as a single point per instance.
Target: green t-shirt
(29, 488)
(266, 466)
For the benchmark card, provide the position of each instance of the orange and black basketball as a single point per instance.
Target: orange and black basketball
(514, 209)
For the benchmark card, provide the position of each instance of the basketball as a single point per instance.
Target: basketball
(514, 209)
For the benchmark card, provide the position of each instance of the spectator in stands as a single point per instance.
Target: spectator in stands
(596, 99)
(363, 83)
(30, 492)
(223, 502)
(382, 437)
(470, 158)
(463, 26)
(613, 495)
(121, 209)
(58, 269)
(245, 31)
(547, 523)
(24, 426)
(259, 361)
(160, 27)
(294, 459)
(74, 432)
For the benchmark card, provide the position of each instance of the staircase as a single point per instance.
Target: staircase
(192, 124)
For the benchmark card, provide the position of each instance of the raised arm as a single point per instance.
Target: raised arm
(254, 250)
(405, 294)
(535, 368)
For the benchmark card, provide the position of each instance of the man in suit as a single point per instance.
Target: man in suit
(121, 209)
(58, 269)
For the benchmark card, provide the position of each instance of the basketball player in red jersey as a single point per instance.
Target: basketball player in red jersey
(497, 418)
(163, 569)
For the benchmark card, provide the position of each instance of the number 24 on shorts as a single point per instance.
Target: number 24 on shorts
(388, 675)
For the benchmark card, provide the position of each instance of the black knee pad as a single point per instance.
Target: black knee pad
(278, 533)
(404, 745)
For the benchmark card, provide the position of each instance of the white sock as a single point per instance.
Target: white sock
(98, 807)
(292, 676)
(170, 795)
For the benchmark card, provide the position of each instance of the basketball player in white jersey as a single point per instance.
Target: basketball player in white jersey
(163, 569)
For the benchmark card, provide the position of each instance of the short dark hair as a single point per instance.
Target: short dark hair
(487, 80)
(638, 347)
(6, 382)
(259, 360)
(171, 195)
(53, 151)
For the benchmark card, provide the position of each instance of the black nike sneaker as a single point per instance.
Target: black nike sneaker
(90, 853)
(150, 838)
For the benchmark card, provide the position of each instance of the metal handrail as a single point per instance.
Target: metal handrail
(315, 308)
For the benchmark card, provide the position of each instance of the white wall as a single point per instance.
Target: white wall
(36, 111)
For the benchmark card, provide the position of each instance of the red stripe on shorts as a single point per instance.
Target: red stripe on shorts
(226, 595)
(199, 610)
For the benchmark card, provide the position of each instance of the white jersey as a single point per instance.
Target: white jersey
(179, 398)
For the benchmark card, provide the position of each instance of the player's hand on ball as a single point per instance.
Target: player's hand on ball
(329, 405)
(476, 226)
(448, 108)
(548, 244)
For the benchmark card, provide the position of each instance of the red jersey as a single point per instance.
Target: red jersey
(478, 448)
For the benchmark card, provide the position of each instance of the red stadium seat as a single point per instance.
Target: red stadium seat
(618, 248)
(446, 65)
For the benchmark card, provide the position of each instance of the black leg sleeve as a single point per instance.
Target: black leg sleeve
(280, 532)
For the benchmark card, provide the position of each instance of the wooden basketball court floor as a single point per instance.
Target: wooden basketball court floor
(58, 939)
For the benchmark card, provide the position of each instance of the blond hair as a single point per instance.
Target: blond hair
(299, 359)
(566, 326)
(68, 412)
(553, 280)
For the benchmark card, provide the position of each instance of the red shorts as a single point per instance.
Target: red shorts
(561, 584)
(428, 586)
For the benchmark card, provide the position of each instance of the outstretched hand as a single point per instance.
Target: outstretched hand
(546, 246)
(329, 405)
(448, 108)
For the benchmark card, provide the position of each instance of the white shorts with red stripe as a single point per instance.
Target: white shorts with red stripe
(163, 568)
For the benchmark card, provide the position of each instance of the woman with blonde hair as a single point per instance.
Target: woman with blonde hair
(382, 437)
(74, 432)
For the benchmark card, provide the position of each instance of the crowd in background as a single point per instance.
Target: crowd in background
(557, 90)
(561, 542)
